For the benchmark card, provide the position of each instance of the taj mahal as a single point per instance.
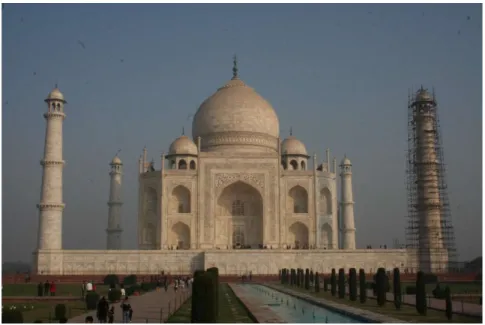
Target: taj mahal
(235, 196)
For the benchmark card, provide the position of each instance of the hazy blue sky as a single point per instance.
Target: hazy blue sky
(338, 74)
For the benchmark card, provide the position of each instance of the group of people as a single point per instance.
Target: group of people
(46, 289)
(178, 282)
(105, 314)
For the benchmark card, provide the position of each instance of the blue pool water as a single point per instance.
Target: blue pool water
(292, 309)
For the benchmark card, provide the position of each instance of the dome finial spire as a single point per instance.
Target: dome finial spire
(183, 130)
(234, 67)
(291, 131)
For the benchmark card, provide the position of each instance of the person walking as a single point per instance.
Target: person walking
(111, 315)
(125, 308)
(52, 288)
(102, 310)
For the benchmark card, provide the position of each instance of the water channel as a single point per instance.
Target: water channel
(294, 310)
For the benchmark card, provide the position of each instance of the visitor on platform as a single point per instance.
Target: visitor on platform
(111, 315)
(94, 287)
(130, 314)
(40, 289)
(123, 291)
(53, 288)
(83, 289)
(89, 287)
(47, 286)
(125, 308)
(102, 310)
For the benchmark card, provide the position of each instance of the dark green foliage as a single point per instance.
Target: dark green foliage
(132, 289)
(430, 278)
(92, 299)
(410, 290)
(326, 282)
(341, 283)
(298, 278)
(312, 277)
(60, 311)
(114, 295)
(112, 285)
(363, 286)
(381, 286)
(129, 280)
(214, 271)
(198, 272)
(449, 304)
(317, 282)
(204, 299)
(111, 279)
(38, 321)
(353, 284)
(148, 286)
(12, 316)
(396, 278)
(421, 305)
(333, 283)
(307, 279)
(439, 292)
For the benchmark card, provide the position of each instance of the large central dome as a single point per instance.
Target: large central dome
(237, 119)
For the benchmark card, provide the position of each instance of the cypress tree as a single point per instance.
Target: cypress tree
(353, 284)
(341, 283)
(397, 288)
(203, 299)
(381, 286)
(214, 272)
(363, 286)
(307, 279)
(421, 306)
(449, 304)
(312, 276)
(317, 282)
(333, 283)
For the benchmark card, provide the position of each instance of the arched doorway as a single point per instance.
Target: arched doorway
(180, 236)
(239, 217)
(298, 235)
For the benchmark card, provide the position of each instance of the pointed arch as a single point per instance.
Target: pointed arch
(149, 234)
(325, 201)
(326, 236)
(192, 164)
(182, 164)
(294, 164)
(151, 199)
(298, 199)
(181, 199)
(180, 236)
(298, 235)
(303, 165)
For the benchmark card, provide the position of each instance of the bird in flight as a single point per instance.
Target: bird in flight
(82, 44)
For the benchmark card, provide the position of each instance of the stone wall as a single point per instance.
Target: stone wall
(79, 262)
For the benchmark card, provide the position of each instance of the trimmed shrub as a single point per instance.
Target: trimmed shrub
(60, 311)
(317, 282)
(333, 283)
(129, 280)
(410, 290)
(112, 286)
(449, 304)
(341, 283)
(307, 279)
(198, 272)
(114, 295)
(12, 316)
(381, 286)
(353, 284)
(214, 271)
(421, 306)
(430, 278)
(111, 279)
(312, 277)
(439, 292)
(325, 284)
(396, 278)
(92, 299)
(203, 299)
(363, 286)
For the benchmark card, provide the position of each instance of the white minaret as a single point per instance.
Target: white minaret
(347, 205)
(51, 205)
(114, 229)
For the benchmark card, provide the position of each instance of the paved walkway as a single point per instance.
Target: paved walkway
(147, 308)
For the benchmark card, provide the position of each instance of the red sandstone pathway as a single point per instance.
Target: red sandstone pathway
(147, 308)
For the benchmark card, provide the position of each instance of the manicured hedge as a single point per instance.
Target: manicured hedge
(363, 286)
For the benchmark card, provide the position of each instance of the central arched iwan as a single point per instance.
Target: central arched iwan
(298, 235)
(239, 211)
(180, 236)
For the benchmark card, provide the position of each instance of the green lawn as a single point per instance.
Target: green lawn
(406, 313)
(30, 289)
(465, 287)
(44, 311)
(230, 309)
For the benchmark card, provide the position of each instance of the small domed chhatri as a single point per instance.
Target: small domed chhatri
(55, 94)
(423, 95)
(346, 162)
(183, 146)
(293, 146)
(116, 161)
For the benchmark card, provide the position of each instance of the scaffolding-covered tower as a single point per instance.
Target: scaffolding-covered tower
(429, 231)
